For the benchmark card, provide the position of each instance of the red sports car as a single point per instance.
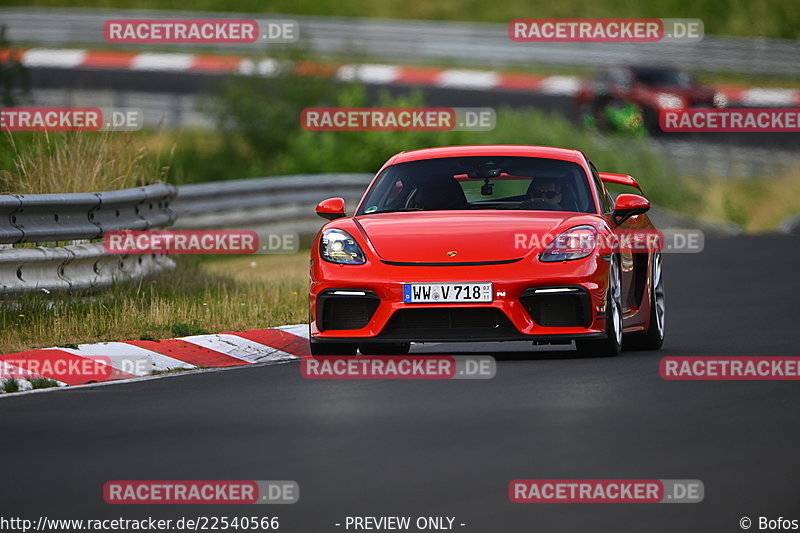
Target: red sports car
(485, 243)
(645, 89)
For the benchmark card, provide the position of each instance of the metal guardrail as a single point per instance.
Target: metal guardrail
(277, 202)
(54, 218)
(76, 216)
(283, 202)
(408, 40)
(84, 266)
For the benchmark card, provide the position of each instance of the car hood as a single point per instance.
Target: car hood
(473, 236)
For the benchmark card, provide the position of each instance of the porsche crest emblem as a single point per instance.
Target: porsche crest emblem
(452, 253)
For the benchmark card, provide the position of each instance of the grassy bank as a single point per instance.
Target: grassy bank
(258, 134)
(758, 205)
(38, 163)
(198, 297)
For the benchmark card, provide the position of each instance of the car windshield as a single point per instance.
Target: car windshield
(462, 183)
(657, 77)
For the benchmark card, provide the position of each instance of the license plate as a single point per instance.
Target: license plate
(416, 293)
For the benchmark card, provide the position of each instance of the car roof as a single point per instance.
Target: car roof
(549, 152)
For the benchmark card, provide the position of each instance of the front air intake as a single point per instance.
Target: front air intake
(343, 309)
(558, 306)
(458, 323)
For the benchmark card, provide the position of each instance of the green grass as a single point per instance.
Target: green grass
(67, 162)
(10, 385)
(313, 152)
(766, 18)
(183, 329)
(758, 205)
(199, 296)
(42, 383)
(259, 134)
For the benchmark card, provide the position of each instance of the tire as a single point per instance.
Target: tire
(653, 338)
(333, 348)
(384, 348)
(611, 346)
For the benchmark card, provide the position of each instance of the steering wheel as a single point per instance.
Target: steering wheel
(541, 204)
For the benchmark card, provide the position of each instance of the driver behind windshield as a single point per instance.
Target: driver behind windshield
(544, 194)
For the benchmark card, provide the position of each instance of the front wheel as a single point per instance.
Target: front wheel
(611, 346)
(653, 338)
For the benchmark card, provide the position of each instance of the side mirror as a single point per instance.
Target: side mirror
(628, 205)
(332, 208)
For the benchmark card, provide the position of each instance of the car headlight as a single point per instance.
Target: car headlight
(575, 243)
(720, 100)
(338, 246)
(669, 101)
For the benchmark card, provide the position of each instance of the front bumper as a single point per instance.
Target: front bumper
(380, 315)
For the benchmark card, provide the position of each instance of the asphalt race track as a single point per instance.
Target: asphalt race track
(450, 448)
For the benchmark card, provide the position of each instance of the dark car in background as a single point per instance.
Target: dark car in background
(629, 98)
